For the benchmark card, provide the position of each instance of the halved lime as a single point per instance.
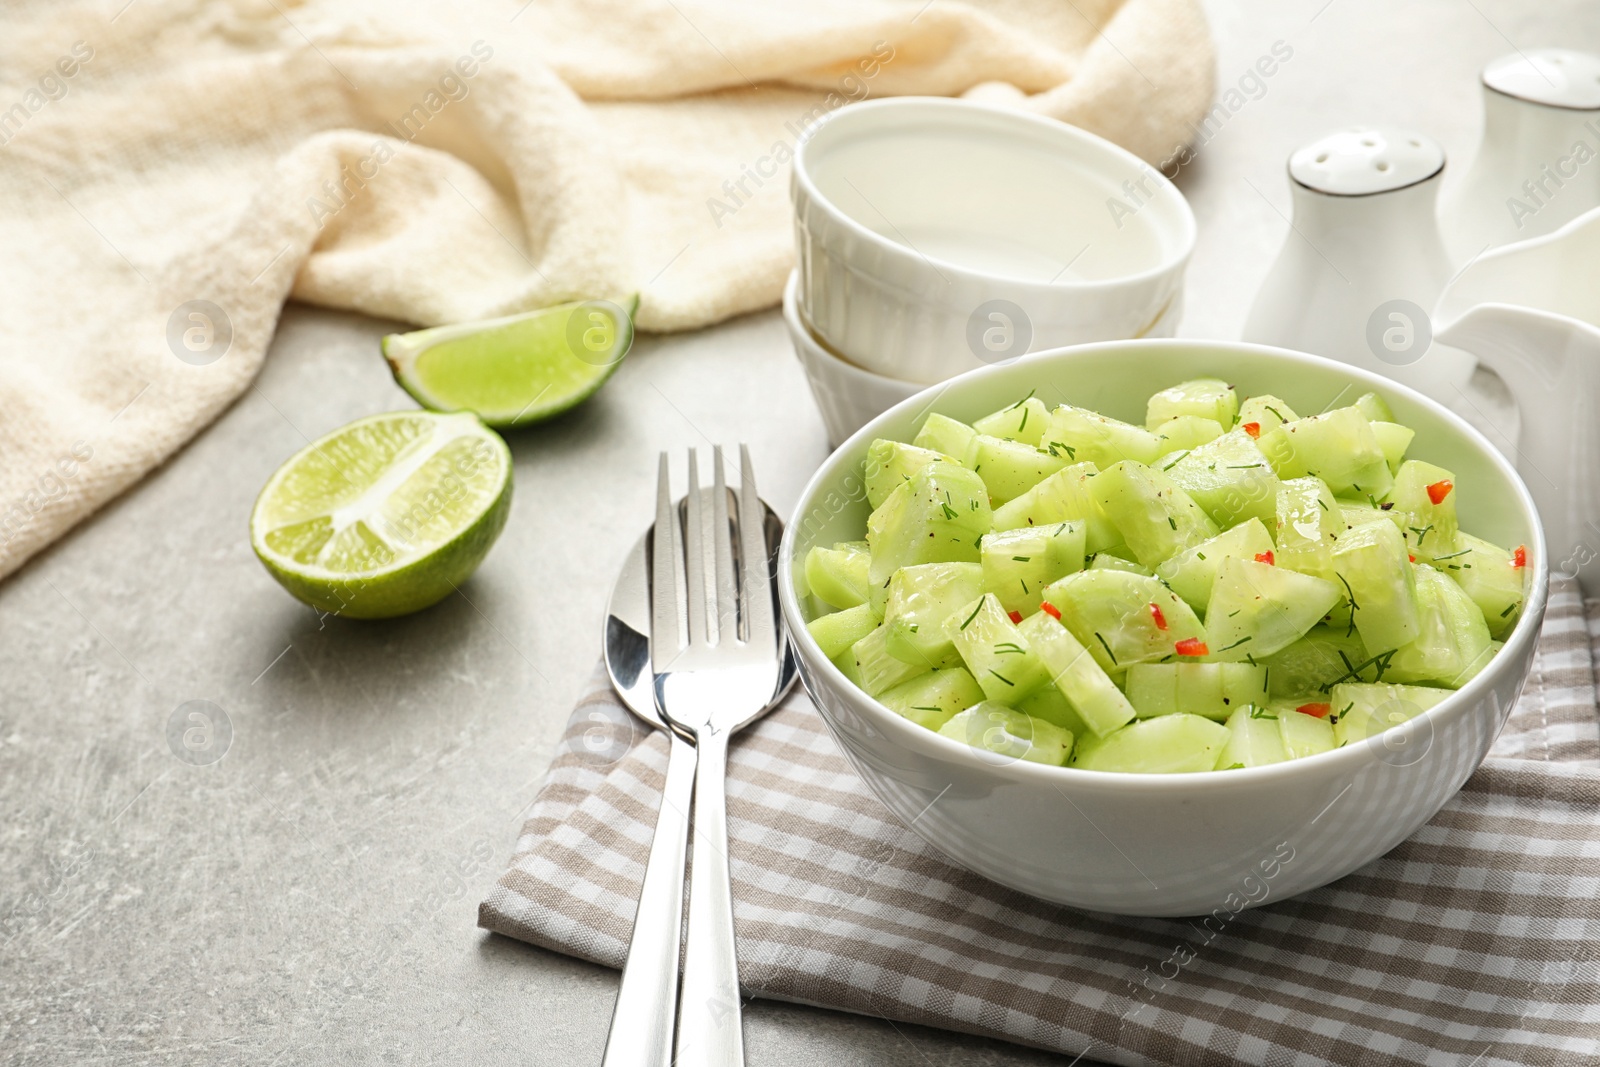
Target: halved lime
(386, 515)
(518, 369)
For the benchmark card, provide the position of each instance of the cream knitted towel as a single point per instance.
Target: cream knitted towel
(172, 170)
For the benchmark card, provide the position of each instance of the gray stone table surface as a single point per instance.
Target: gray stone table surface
(312, 896)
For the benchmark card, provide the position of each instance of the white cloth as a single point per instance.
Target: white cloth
(436, 163)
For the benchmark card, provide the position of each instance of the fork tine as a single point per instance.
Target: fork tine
(666, 575)
(694, 554)
(727, 594)
(755, 577)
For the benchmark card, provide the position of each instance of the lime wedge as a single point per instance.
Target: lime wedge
(518, 369)
(386, 515)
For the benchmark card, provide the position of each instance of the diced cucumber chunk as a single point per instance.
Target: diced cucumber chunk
(1229, 478)
(838, 576)
(1374, 407)
(1170, 744)
(1011, 468)
(1266, 411)
(920, 599)
(1242, 683)
(1379, 582)
(1018, 564)
(1359, 512)
(1155, 517)
(1191, 572)
(1006, 732)
(1123, 618)
(891, 462)
(1062, 497)
(936, 517)
(1311, 666)
(1207, 398)
(1394, 439)
(940, 433)
(876, 670)
(1051, 706)
(1186, 432)
(1152, 688)
(836, 632)
(1451, 635)
(1473, 669)
(1023, 421)
(1337, 446)
(1087, 436)
(995, 651)
(846, 662)
(1077, 676)
(1309, 523)
(1490, 576)
(1253, 739)
(1363, 710)
(1304, 735)
(1257, 608)
(1430, 527)
(1215, 690)
(1110, 561)
(932, 699)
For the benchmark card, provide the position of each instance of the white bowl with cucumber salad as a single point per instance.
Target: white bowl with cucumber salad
(1340, 657)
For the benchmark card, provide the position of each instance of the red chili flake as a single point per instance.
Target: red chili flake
(1319, 710)
(1051, 610)
(1192, 646)
(1251, 428)
(1412, 558)
(1519, 558)
(1155, 613)
(1267, 558)
(1439, 490)
(1016, 616)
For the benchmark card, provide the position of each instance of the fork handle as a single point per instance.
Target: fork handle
(641, 1022)
(710, 1030)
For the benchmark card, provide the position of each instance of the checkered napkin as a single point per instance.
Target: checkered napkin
(1475, 942)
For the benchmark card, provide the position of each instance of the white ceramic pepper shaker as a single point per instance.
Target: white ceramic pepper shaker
(1363, 262)
(1538, 164)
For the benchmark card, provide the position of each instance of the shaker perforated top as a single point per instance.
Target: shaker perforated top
(1363, 160)
(1555, 77)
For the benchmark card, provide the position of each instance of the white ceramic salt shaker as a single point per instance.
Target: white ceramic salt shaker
(1363, 262)
(1538, 164)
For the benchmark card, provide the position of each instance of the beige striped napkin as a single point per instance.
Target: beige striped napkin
(1475, 942)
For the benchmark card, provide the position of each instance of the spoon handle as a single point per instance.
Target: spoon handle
(710, 1031)
(642, 1021)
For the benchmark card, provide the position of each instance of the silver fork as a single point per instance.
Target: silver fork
(714, 652)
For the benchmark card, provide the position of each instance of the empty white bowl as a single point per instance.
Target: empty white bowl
(847, 396)
(1179, 844)
(938, 235)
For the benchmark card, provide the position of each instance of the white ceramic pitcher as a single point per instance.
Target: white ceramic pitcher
(1531, 312)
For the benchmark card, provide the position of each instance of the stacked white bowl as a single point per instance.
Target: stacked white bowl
(936, 236)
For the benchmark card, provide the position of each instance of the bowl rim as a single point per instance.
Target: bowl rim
(1186, 231)
(900, 730)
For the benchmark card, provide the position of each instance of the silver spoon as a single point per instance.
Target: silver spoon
(642, 1023)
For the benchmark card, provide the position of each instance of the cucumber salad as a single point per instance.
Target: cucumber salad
(1227, 586)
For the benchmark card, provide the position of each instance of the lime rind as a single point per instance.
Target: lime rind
(518, 369)
(386, 515)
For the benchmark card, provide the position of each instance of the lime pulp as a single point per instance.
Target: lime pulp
(386, 515)
(515, 370)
